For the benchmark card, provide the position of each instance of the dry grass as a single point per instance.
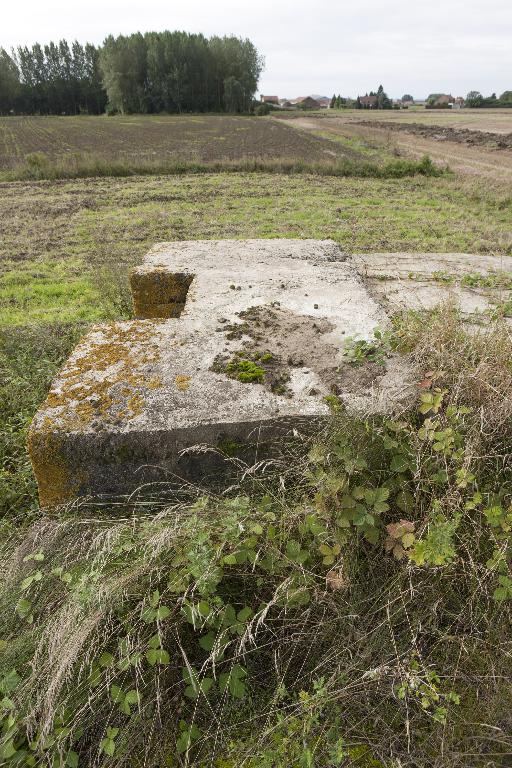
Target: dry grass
(351, 649)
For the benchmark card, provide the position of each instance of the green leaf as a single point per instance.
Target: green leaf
(116, 693)
(148, 615)
(207, 641)
(133, 697)
(95, 676)
(157, 656)
(404, 500)
(8, 750)
(106, 660)
(399, 463)
(108, 746)
(23, 609)
(229, 560)
(233, 681)
(244, 614)
(162, 613)
(72, 759)
(33, 577)
(154, 599)
(9, 682)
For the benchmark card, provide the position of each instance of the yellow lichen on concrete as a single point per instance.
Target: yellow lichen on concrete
(109, 379)
(56, 483)
(159, 293)
(182, 382)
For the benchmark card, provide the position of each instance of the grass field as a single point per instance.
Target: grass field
(383, 663)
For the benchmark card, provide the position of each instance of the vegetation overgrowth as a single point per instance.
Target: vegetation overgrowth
(348, 602)
(37, 167)
(347, 605)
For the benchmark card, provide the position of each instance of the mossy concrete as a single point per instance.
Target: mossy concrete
(136, 397)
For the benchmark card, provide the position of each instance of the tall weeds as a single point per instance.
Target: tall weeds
(347, 608)
(38, 166)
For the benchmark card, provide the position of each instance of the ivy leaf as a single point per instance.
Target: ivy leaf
(162, 613)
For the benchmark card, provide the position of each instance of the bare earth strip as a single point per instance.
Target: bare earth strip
(485, 120)
(156, 138)
(461, 158)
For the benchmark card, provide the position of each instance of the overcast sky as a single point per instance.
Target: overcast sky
(310, 46)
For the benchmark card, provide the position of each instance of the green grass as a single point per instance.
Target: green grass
(340, 677)
(349, 608)
(38, 166)
(66, 246)
(34, 290)
(355, 143)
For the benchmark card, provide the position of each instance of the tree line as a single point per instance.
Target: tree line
(150, 73)
(475, 99)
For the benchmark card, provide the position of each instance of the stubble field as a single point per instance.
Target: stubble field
(157, 139)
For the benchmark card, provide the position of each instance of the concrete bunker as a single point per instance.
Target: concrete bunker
(136, 397)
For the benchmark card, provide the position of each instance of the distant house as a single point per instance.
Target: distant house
(444, 100)
(458, 103)
(269, 99)
(324, 102)
(368, 102)
(285, 103)
(309, 103)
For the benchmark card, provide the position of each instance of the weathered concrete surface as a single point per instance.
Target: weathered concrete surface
(134, 395)
(424, 280)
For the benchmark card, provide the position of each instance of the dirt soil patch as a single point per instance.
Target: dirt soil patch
(156, 138)
(445, 133)
(278, 341)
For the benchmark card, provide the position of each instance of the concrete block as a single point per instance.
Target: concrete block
(238, 343)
